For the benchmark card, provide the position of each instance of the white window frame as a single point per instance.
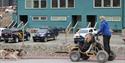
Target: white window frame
(39, 18)
(62, 7)
(58, 19)
(39, 5)
(102, 4)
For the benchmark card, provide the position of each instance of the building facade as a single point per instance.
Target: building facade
(77, 13)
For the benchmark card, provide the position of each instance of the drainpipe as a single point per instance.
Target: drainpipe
(17, 14)
(123, 20)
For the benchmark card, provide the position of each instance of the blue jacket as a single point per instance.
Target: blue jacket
(104, 28)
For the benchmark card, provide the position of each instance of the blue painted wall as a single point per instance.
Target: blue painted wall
(82, 7)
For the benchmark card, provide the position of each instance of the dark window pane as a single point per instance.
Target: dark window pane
(35, 18)
(43, 18)
(71, 3)
(36, 3)
(98, 3)
(107, 3)
(43, 3)
(116, 3)
(54, 3)
(62, 3)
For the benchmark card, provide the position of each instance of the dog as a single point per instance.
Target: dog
(12, 53)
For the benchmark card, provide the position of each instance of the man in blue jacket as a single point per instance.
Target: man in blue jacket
(105, 31)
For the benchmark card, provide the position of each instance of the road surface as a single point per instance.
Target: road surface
(52, 61)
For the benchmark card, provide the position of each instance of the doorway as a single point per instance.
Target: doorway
(75, 19)
(91, 19)
(23, 18)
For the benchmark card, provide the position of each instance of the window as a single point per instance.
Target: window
(43, 18)
(116, 18)
(113, 18)
(35, 3)
(107, 3)
(58, 18)
(43, 3)
(63, 3)
(39, 18)
(108, 18)
(98, 3)
(35, 18)
(28, 3)
(116, 3)
(54, 3)
(70, 3)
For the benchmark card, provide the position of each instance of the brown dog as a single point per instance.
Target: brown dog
(12, 53)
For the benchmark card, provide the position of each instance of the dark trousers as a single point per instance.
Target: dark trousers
(106, 43)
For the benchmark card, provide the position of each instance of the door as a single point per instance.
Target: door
(91, 19)
(23, 18)
(75, 19)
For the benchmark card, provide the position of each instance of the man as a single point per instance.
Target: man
(105, 31)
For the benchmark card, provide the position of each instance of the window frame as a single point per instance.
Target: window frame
(39, 18)
(26, 4)
(112, 20)
(58, 6)
(58, 19)
(102, 4)
(32, 5)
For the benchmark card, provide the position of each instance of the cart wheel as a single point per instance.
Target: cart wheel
(102, 56)
(74, 56)
(112, 56)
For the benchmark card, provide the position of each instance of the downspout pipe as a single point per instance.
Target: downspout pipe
(123, 14)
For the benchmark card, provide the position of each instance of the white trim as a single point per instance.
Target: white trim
(66, 3)
(58, 6)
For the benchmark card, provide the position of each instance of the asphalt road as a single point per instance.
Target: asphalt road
(53, 61)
